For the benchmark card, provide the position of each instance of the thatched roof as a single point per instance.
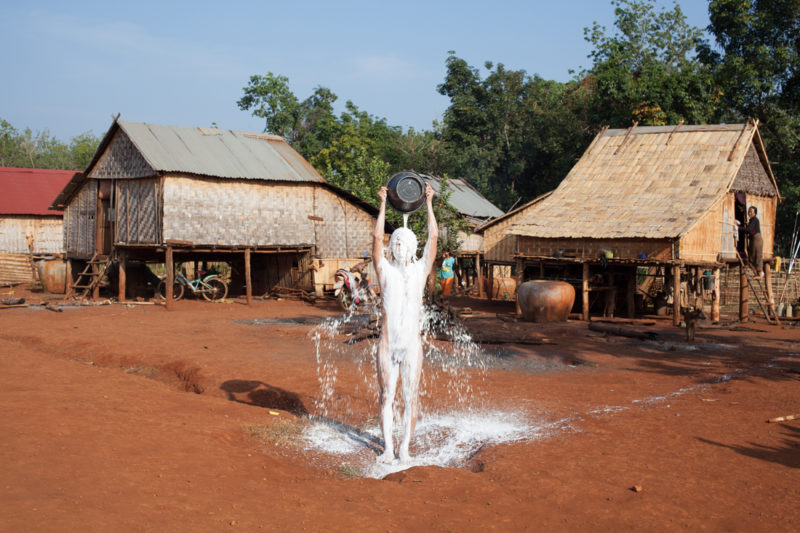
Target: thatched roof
(649, 182)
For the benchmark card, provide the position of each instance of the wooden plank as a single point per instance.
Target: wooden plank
(585, 292)
(676, 295)
(123, 266)
(170, 277)
(744, 310)
(247, 277)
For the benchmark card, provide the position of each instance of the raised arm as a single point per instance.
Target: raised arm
(377, 234)
(429, 255)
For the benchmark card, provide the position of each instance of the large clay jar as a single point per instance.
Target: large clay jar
(544, 300)
(53, 274)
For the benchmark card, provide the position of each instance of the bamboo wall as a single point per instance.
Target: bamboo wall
(47, 231)
(497, 245)
(209, 211)
(138, 209)
(593, 248)
(712, 236)
(79, 228)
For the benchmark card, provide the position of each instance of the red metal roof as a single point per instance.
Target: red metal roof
(30, 191)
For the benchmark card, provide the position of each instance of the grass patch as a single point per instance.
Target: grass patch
(349, 471)
(281, 432)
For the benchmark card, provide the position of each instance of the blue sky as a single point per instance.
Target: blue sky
(69, 67)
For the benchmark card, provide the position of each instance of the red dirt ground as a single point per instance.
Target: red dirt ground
(119, 418)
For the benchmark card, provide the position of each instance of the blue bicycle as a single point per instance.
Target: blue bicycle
(211, 287)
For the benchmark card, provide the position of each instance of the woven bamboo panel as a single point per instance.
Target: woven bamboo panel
(121, 160)
(48, 234)
(137, 220)
(498, 244)
(209, 211)
(593, 248)
(651, 183)
(79, 215)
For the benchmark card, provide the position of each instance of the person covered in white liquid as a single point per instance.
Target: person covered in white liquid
(402, 279)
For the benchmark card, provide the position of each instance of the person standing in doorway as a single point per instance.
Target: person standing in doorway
(755, 245)
(446, 274)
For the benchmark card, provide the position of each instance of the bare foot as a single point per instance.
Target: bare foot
(386, 457)
(404, 457)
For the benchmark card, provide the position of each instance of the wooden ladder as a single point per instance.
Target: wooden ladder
(90, 277)
(757, 286)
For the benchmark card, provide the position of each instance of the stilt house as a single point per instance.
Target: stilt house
(658, 196)
(29, 230)
(207, 194)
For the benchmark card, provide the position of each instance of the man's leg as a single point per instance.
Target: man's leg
(387, 387)
(410, 373)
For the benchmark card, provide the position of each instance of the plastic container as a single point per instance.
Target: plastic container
(406, 191)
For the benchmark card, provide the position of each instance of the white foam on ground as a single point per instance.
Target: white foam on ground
(447, 440)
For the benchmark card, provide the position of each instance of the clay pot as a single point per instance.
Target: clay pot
(544, 300)
(503, 288)
(406, 191)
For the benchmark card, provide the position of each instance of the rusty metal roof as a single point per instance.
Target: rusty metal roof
(465, 198)
(219, 153)
(29, 191)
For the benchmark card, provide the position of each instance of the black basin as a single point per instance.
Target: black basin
(406, 191)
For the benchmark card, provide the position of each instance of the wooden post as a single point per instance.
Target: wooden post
(170, 277)
(520, 275)
(611, 296)
(96, 281)
(768, 286)
(247, 280)
(479, 273)
(122, 278)
(676, 295)
(715, 298)
(631, 295)
(744, 311)
(69, 277)
(490, 294)
(541, 269)
(585, 292)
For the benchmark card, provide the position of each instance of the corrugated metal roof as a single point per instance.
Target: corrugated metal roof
(648, 182)
(219, 153)
(29, 191)
(465, 198)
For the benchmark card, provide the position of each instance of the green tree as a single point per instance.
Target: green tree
(29, 149)
(510, 135)
(648, 69)
(757, 67)
(307, 125)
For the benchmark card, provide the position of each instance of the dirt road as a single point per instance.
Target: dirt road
(133, 418)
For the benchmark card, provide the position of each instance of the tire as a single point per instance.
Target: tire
(216, 289)
(177, 290)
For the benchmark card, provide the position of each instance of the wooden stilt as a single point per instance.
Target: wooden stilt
(122, 278)
(744, 293)
(715, 297)
(490, 293)
(585, 292)
(247, 276)
(519, 279)
(479, 272)
(170, 277)
(676, 295)
(611, 296)
(768, 287)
